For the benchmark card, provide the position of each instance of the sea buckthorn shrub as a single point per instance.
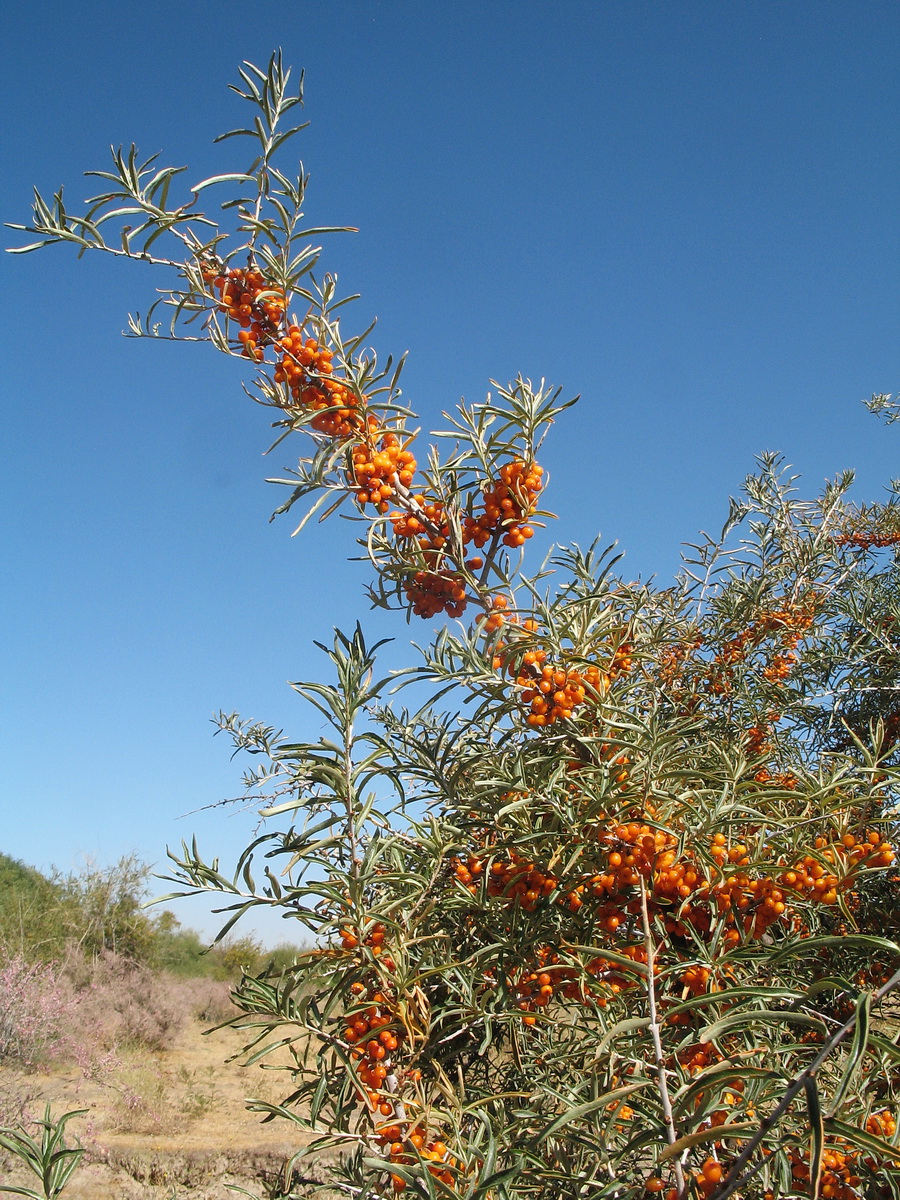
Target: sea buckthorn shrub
(614, 913)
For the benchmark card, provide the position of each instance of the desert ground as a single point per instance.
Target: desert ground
(167, 1125)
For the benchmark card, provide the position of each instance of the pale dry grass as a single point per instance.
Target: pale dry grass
(173, 1118)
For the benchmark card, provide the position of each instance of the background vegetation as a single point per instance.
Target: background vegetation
(100, 910)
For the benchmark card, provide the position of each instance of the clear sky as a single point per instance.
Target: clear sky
(685, 212)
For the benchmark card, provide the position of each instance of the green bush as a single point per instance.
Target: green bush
(100, 911)
(597, 920)
(97, 909)
(31, 922)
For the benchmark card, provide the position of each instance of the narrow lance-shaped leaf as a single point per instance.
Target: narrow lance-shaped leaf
(857, 1052)
(817, 1135)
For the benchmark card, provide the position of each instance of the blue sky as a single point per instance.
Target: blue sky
(685, 212)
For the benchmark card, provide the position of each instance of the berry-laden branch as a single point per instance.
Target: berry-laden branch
(737, 1175)
(576, 919)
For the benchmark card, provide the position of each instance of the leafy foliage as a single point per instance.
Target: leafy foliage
(101, 912)
(48, 1158)
(97, 908)
(613, 913)
(28, 905)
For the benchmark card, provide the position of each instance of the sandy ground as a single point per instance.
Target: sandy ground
(168, 1126)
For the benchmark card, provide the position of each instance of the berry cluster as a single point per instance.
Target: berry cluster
(435, 586)
(379, 464)
(376, 471)
(789, 624)
(680, 886)
(376, 1037)
(695, 1058)
(425, 521)
(303, 365)
(432, 591)
(302, 359)
(373, 940)
(547, 980)
(497, 617)
(519, 880)
(408, 1144)
(710, 1175)
(695, 893)
(757, 741)
(840, 1177)
(782, 779)
(811, 877)
(632, 851)
(555, 691)
(758, 746)
(882, 1124)
(865, 541)
(246, 298)
(749, 903)
(743, 901)
(508, 503)
(865, 527)
(381, 468)
(305, 369)
(674, 659)
(438, 587)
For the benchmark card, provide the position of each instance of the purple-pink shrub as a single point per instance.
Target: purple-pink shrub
(119, 1002)
(85, 1010)
(16, 1099)
(206, 1000)
(36, 1011)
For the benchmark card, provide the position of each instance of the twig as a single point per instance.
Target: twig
(671, 1133)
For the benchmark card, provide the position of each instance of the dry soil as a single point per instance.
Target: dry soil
(166, 1126)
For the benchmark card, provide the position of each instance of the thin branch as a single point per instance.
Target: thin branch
(658, 1054)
